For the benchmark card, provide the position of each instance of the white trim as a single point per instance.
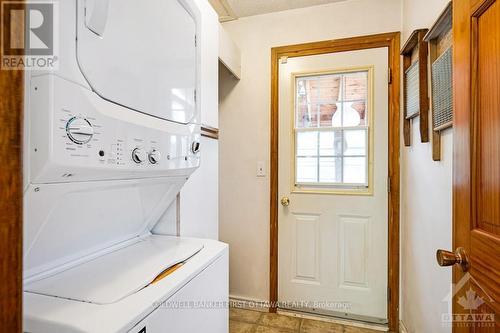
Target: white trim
(248, 303)
(402, 327)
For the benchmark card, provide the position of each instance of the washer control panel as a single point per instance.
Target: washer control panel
(95, 139)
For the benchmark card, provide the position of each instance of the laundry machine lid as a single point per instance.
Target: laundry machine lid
(116, 275)
(141, 54)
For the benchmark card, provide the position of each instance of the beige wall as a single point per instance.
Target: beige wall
(244, 122)
(425, 208)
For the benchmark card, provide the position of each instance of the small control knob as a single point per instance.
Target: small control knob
(79, 130)
(195, 147)
(138, 155)
(154, 156)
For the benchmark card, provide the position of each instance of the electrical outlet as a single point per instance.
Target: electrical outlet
(261, 169)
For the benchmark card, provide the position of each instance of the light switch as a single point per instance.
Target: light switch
(261, 169)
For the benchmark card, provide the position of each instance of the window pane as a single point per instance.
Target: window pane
(328, 114)
(334, 110)
(317, 98)
(355, 142)
(337, 116)
(330, 170)
(307, 143)
(355, 86)
(354, 114)
(306, 117)
(326, 88)
(307, 169)
(330, 143)
(355, 170)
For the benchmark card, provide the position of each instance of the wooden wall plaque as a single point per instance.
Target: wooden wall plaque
(415, 85)
(439, 39)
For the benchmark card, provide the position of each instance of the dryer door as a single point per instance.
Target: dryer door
(141, 54)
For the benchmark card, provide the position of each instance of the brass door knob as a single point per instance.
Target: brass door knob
(285, 201)
(459, 257)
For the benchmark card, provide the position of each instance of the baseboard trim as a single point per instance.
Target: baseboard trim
(340, 321)
(249, 303)
(402, 327)
(236, 301)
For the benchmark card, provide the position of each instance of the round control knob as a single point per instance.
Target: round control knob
(138, 155)
(154, 156)
(195, 147)
(79, 130)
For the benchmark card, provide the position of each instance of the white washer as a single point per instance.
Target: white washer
(111, 137)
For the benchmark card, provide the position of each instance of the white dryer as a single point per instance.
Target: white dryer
(111, 137)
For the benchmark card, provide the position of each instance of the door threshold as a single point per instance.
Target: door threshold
(331, 319)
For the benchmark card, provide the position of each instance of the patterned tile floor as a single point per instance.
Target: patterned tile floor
(248, 321)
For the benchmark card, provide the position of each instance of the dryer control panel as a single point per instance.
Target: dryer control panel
(75, 135)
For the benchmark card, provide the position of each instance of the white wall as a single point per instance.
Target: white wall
(229, 53)
(199, 213)
(244, 122)
(426, 207)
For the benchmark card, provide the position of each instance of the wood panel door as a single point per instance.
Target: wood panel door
(476, 183)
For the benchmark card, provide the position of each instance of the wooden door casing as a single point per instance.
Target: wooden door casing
(476, 180)
(11, 116)
(392, 42)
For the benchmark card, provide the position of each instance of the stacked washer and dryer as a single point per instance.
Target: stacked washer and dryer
(111, 137)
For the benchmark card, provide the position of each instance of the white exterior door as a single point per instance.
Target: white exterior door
(333, 168)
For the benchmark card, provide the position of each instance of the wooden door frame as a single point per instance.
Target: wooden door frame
(11, 195)
(390, 40)
(462, 145)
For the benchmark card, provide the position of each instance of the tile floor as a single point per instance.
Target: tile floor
(248, 321)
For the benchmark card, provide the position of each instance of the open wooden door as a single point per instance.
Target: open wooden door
(476, 180)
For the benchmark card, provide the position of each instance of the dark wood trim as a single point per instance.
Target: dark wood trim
(423, 53)
(210, 132)
(394, 186)
(274, 197)
(391, 41)
(11, 197)
(416, 41)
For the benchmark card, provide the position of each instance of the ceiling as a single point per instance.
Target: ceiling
(233, 9)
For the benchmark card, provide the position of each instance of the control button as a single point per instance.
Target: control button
(195, 147)
(138, 155)
(101, 153)
(79, 130)
(154, 156)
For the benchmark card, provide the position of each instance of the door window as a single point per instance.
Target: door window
(332, 130)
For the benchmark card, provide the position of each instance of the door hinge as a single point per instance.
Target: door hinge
(388, 294)
(195, 40)
(389, 78)
(389, 184)
(195, 96)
